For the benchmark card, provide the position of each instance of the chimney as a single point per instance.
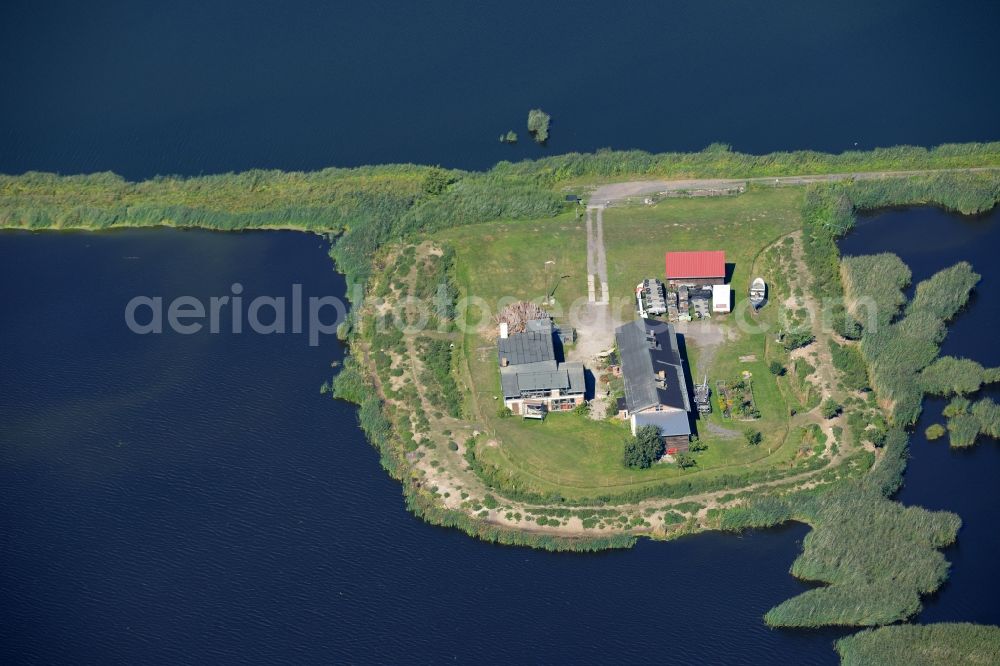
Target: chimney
(504, 362)
(662, 374)
(503, 332)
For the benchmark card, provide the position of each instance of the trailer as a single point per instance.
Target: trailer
(702, 395)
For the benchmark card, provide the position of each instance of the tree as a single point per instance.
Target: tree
(776, 368)
(753, 437)
(830, 408)
(685, 460)
(644, 448)
(437, 181)
(538, 125)
(697, 445)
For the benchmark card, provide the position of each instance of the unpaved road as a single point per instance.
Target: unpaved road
(595, 328)
(594, 323)
(597, 260)
(606, 195)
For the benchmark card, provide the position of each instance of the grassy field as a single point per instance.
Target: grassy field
(578, 457)
(638, 237)
(501, 261)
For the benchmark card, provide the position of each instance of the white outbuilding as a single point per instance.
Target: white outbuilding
(720, 298)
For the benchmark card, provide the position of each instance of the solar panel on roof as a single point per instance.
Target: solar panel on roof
(647, 348)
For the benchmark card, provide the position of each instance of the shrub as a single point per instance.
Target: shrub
(673, 518)
(849, 361)
(440, 386)
(963, 429)
(830, 408)
(934, 431)
(349, 384)
(958, 405)
(538, 125)
(685, 460)
(795, 340)
(753, 437)
(987, 413)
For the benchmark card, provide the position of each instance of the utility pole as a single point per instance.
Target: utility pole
(548, 278)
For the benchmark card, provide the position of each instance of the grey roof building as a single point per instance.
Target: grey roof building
(534, 345)
(669, 423)
(528, 366)
(656, 391)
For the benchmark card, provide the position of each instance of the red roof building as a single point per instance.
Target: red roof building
(696, 267)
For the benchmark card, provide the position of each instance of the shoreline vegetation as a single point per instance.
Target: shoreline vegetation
(916, 645)
(875, 556)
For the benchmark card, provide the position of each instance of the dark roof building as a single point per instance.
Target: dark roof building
(528, 366)
(534, 345)
(654, 376)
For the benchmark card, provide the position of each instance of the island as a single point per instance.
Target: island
(575, 352)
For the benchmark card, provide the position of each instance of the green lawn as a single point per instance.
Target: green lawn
(638, 237)
(506, 261)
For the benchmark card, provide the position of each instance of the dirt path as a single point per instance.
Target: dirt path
(597, 260)
(613, 193)
(706, 335)
(591, 259)
(602, 258)
(595, 330)
(594, 323)
(825, 375)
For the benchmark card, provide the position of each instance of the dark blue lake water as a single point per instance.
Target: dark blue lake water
(193, 87)
(191, 498)
(194, 498)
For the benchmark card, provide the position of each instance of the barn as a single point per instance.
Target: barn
(656, 391)
(696, 268)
